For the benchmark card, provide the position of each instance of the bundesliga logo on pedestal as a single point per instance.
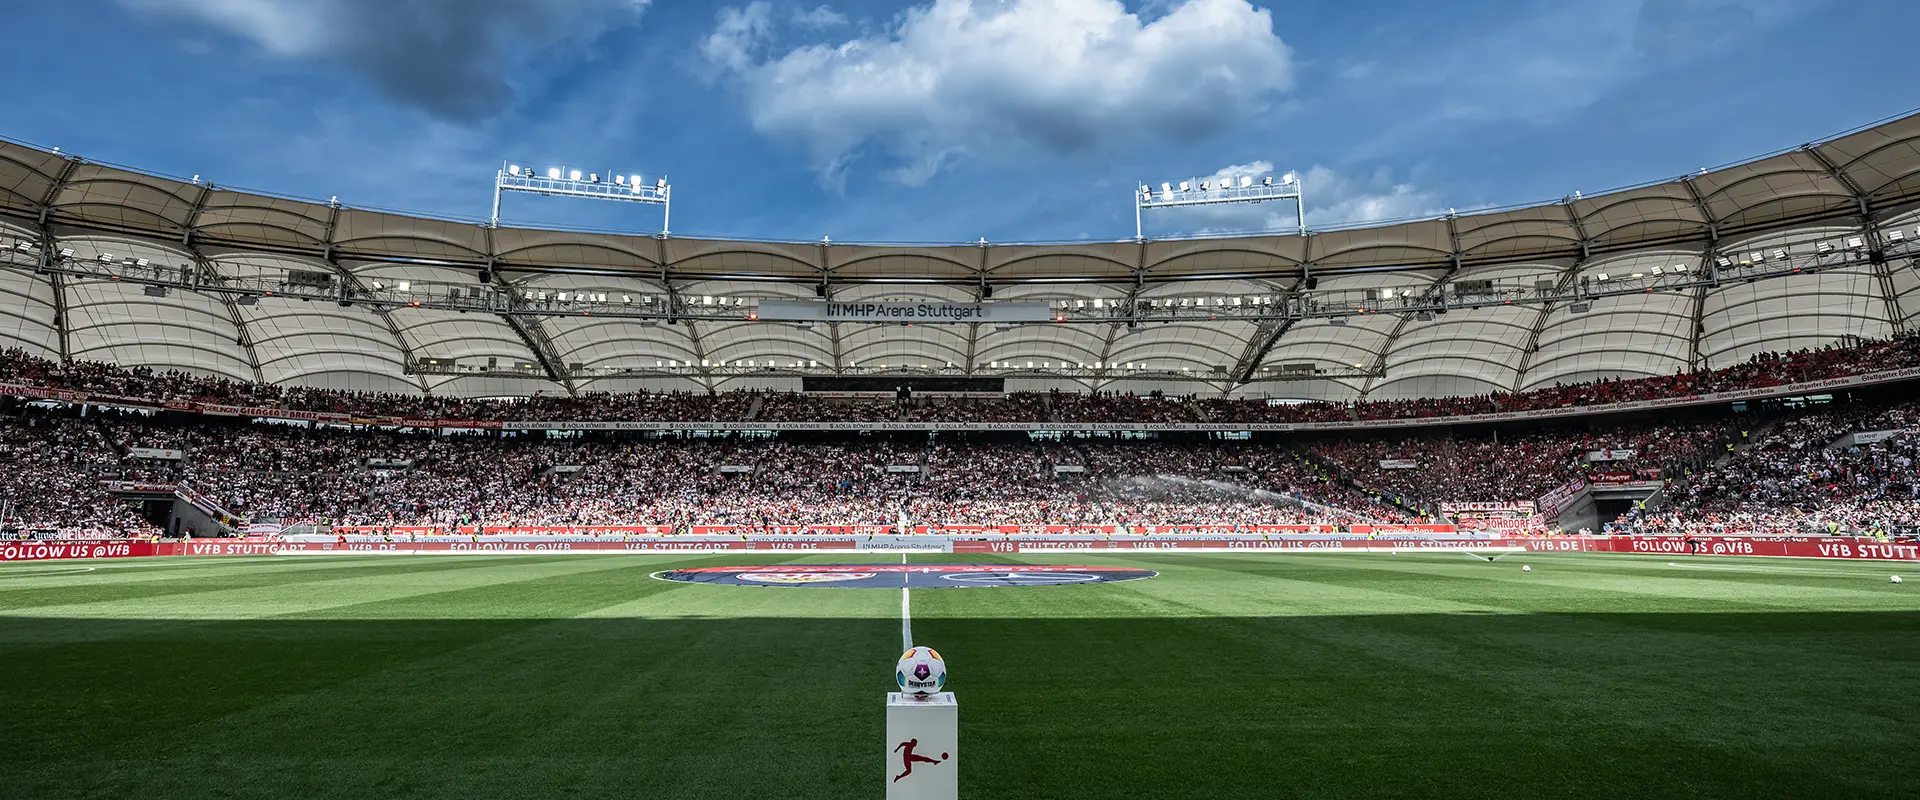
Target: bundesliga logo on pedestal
(921, 672)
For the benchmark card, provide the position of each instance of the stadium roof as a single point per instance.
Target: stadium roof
(1863, 184)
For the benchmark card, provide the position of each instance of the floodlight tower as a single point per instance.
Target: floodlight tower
(1221, 191)
(565, 182)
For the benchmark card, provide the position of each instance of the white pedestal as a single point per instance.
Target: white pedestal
(923, 747)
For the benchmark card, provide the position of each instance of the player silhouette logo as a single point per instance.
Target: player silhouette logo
(909, 758)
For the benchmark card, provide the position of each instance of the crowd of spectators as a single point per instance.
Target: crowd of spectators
(1805, 477)
(1762, 370)
(56, 465)
(293, 474)
(55, 462)
(1424, 470)
(51, 469)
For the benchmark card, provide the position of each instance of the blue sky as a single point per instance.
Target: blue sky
(945, 120)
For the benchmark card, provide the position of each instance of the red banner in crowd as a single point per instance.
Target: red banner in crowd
(524, 530)
(1623, 477)
(237, 547)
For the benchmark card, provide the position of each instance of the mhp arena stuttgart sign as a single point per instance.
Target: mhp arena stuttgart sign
(822, 311)
(903, 576)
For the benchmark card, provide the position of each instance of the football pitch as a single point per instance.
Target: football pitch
(1227, 676)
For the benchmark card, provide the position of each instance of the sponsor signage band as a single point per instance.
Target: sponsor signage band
(875, 311)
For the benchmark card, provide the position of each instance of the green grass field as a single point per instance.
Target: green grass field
(1313, 675)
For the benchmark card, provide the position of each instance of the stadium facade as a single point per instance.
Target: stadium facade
(1803, 248)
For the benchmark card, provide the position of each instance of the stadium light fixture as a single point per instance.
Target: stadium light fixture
(1228, 190)
(564, 182)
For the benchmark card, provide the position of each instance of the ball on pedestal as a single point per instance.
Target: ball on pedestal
(921, 672)
(1526, 567)
(1894, 579)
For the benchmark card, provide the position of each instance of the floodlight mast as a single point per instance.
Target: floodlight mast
(565, 182)
(1221, 191)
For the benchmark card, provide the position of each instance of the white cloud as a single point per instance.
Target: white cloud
(818, 18)
(957, 77)
(736, 35)
(1333, 198)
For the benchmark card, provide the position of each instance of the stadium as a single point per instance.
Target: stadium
(1606, 496)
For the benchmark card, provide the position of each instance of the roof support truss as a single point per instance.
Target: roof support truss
(352, 281)
(1560, 286)
(1434, 294)
(1269, 332)
(1118, 329)
(677, 306)
(61, 325)
(242, 336)
(1877, 244)
(528, 328)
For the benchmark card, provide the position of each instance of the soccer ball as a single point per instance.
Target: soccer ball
(1894, 579)
(1526, 567)
(921, 672)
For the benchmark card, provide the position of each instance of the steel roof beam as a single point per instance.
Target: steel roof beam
(350, 285)
(1268, 333)
(532, 334)
(242, 336)
(1435, 294)
(1870, 228)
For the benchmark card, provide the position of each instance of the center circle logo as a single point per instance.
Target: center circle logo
(797, 578)
(904, 576)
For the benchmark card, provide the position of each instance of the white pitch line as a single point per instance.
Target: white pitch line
(906, 622)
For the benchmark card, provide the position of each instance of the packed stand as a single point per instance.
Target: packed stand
(291, 474)
(51, 473)
(1802, 477)
(1428, 470)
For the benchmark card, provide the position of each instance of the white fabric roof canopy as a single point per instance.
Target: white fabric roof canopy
(1862, 184)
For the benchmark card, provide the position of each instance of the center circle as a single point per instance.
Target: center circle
(903, 576)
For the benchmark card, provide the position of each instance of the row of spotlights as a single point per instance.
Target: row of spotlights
(555, 173)
(1167, 189)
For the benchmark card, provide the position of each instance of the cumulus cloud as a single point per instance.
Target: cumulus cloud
(959, 77)
(819, 17)
(446, 56)
(1333, 198)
